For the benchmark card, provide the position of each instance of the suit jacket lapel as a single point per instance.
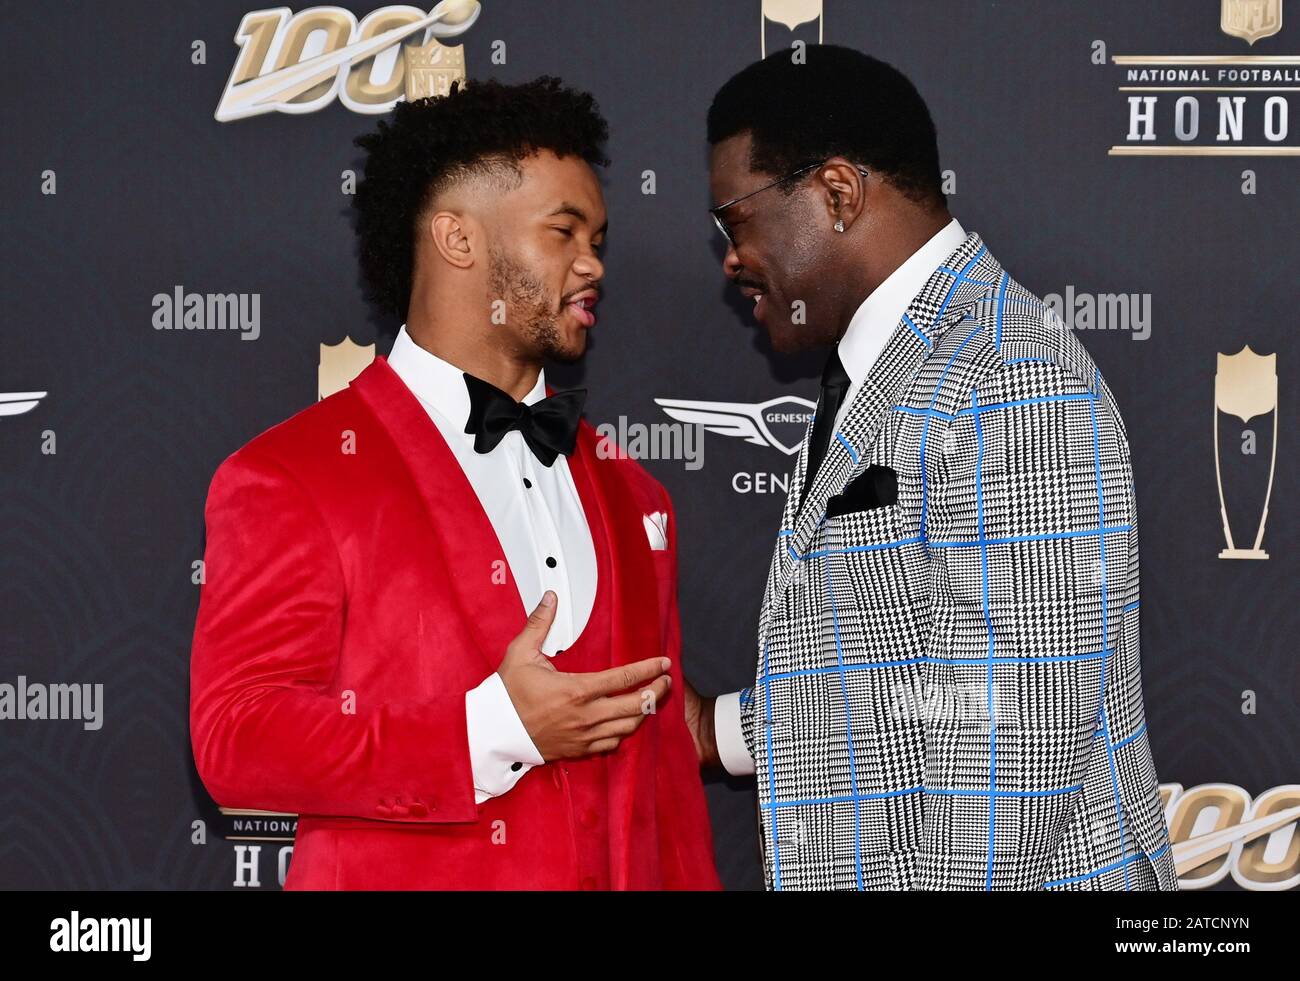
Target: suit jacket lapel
(463, 530)
(634, 590)
(968, 274)
(634, 635)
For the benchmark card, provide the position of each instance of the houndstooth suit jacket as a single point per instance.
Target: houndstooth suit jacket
(948, 692)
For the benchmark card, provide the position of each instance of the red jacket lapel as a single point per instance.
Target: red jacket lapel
(634, 635)
(465, 534)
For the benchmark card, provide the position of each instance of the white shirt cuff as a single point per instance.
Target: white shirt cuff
(500, 750)
(730, 736)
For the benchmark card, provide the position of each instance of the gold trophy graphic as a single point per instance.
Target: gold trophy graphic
(1251, 20)
(1245, 386)
(791, 13)
(431, 69)
(339, 364)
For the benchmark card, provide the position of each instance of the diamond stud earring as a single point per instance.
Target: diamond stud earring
(839, 225)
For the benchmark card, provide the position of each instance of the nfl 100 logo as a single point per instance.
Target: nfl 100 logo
(299, 63)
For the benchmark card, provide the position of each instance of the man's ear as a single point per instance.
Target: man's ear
(455, 238)
(846, 190)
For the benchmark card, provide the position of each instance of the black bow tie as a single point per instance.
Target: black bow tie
(549, 427)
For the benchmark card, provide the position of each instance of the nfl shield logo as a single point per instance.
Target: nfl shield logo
(339, 364)
(1251, 20)
(1245, 384)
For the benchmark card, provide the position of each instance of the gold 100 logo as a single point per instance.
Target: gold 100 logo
(1217, 830)
(301, 62)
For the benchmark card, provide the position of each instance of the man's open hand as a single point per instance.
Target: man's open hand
(573, 714)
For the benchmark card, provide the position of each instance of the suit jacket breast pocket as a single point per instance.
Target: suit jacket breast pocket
(665, 574)
(875, 577)
(860, 530)
(665, 568)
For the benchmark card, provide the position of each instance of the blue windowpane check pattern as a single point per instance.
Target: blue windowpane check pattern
(948, 688)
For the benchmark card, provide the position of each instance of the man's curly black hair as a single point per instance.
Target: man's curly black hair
(426, 145)
(839, 102)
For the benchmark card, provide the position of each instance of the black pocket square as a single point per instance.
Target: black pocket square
(875, 487)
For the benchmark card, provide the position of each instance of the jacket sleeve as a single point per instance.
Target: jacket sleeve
(1021, 480)
(748, 719)
(268, 729)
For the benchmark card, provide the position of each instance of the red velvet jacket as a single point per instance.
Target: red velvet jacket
(346, 609)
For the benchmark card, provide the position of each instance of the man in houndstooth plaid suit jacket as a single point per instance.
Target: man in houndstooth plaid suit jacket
(948, 690)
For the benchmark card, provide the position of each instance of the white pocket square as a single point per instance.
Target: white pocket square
(656, 529)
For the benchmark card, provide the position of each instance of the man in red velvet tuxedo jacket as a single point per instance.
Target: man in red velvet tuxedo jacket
(364, 654)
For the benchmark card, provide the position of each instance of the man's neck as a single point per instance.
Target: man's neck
(474, 352)
(867, 273)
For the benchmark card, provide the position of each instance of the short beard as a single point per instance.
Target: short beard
(526, 304)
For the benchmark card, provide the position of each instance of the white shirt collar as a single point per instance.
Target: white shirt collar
(875, 319)
(440, 383)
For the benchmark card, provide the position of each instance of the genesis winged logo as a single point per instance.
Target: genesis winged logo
(16, 403)
(763, 424)
(282, 67)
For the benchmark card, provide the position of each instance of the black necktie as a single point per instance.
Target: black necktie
(835, 382)
(549, 427)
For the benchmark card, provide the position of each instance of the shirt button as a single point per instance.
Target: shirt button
(527, 482)
(550, 562)
(516, 767)
(589, 883)
(587, 819)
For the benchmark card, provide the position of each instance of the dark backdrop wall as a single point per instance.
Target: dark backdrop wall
(120, 185)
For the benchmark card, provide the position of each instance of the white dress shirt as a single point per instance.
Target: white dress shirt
(869, 330)
(538, 518)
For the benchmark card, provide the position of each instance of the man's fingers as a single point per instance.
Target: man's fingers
(635, 704)
(615, 728)
(539, 621)
(624, 676)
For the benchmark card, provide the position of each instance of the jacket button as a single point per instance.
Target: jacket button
(587, 818)
(589, 883)
(418, 810)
